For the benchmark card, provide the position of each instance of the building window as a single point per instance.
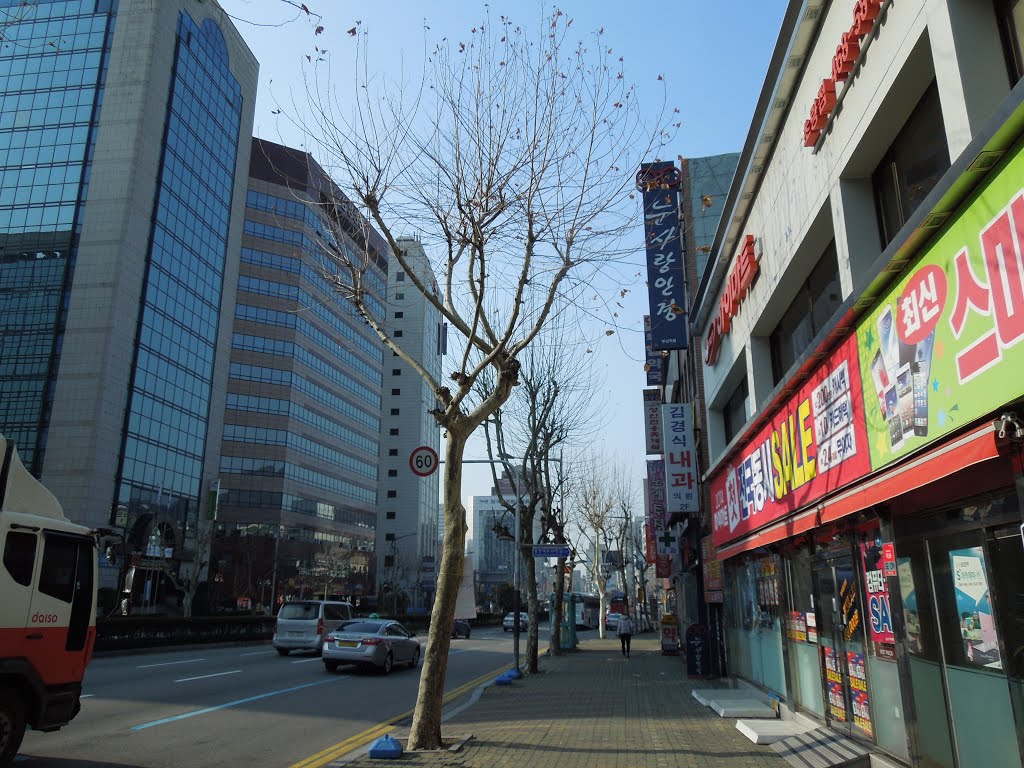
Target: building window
(396, 391)
(392, 473)
(1010, 14)
(393, 431)
(735, 411)
(390, 515)
(914, 162)
(399, 296)
(389, 537)
(394, 411)
(389, 561)
(396, 371)
(392, 451)
(399, 315)
(398, 334)
(400, 277)
(815, 302)
(392, 495)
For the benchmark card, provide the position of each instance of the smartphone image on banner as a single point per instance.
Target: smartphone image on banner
(905, 395)
(895, 428)
(923, 355)
(920, 401)
(891, 402)
(888, 341)
(881, 378)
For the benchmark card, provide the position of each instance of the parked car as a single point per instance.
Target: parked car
(460, 628)
(508, 623)
(371, 643)
(611, 621)
(303, 624)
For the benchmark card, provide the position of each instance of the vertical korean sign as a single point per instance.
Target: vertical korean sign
(680, 458)
(876, 589)
(666, 287)
(654, 363)
(657, 516)
(942, 348)
(652, 420)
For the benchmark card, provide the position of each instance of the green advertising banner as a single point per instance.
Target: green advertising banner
(942, 349)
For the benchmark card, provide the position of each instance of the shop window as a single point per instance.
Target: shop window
(914, 162)
(815, 303)
(734, 413)
(1010, 15)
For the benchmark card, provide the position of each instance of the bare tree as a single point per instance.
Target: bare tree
(514, 157)
(527, 436)
(593, 506)
(335, 563)
(185, 577)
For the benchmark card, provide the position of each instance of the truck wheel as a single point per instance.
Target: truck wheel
(12, 724)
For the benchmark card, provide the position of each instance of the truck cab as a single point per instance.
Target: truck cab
(48, 578)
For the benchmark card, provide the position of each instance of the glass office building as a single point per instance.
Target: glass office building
(123, 156)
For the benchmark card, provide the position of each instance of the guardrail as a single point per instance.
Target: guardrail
(123, 633)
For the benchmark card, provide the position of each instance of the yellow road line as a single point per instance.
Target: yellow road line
(325, 756)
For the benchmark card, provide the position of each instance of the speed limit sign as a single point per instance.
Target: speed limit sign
(423, 461)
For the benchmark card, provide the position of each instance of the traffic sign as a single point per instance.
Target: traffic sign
(423, 461)
(550, 550)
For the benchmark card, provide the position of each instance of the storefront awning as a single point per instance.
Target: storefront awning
(957, 454)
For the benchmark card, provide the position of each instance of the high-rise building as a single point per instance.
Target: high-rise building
(407, 551)
(123, 154)
(302, 420)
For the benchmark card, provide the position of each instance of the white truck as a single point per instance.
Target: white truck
(47, 606)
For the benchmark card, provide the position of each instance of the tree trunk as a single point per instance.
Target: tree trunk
(556, 628)
(529, 566)
(426, 720)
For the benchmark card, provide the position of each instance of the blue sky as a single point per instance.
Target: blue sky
(712, 55)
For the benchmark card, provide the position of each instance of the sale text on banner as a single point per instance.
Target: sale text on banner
(812, 446)
(680, 458)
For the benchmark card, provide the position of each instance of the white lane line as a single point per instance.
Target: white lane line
(306, 661)
(257, 653)
(87, 695)
(170, 663)
(203, 677)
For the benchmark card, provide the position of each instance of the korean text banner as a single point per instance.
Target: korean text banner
(666, 287)
(652, 420)
(943, 348)
(680, 458)
(813, 445)
(654, 364)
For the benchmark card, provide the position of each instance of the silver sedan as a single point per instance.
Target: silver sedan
(371, 643)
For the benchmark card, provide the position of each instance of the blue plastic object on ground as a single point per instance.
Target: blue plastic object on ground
(385, 748)
(503, 679)
(514, 673)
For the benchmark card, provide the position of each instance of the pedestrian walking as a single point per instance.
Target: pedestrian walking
(625, 630)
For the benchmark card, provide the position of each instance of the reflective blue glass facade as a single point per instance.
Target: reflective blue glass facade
(169, 399)
(53, 64)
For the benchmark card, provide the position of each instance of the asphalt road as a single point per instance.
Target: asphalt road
(243, 705)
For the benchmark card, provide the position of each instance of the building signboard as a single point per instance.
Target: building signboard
(712, 567)
(813, 445)
(666, 284)
(741, 278)
(936, 351)
(652, 420)
(681, 493)
(654, 363)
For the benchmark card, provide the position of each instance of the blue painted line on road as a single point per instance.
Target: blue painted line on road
(237, 702)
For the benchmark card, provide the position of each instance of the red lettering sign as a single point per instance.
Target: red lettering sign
(742, 276)
(843, 62)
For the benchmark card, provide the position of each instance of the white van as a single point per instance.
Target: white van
(303, 624)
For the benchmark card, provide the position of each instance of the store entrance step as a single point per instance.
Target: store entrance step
(822, 748)
(706, 695)
(745, 707)
(771, 731)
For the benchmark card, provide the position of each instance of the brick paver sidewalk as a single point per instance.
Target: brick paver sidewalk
(593, 709)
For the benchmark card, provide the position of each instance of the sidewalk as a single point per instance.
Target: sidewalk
(590, 709)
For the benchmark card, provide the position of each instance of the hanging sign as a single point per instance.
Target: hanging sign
(652, 420)
(876, 589)
(666, 285)
(681, 495)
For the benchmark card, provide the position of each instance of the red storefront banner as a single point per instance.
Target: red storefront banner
(812, 446)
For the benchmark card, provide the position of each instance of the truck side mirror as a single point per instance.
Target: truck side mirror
(111, 554)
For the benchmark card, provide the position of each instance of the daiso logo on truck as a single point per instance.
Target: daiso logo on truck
(45, 618)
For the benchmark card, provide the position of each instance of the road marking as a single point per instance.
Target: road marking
(237, 702)
(321, 759)
(256, 653)
(87, 695)
(203, 677)
(169, 663)
(306, 661)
